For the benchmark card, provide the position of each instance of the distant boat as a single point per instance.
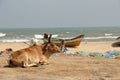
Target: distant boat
(117, 43)
(69, 42)
(118, 38)
(2, 34)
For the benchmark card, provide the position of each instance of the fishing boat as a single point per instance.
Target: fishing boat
(69, 42)
(118, 38)
(116, 43)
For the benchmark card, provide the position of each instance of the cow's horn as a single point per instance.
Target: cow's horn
(49, 39)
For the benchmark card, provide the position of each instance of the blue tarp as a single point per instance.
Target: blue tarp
(112, 53)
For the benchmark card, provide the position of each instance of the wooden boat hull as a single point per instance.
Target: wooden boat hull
(116, 43)
(70, 42)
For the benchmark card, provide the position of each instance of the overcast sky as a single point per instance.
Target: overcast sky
(59, 13)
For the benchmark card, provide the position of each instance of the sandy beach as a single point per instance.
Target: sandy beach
(96, 23)
(95, 46)
(65, 67)
(89, 46)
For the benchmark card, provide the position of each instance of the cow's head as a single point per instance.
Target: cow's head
(50, 47)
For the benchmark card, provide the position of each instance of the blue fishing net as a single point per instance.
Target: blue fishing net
(112, 53)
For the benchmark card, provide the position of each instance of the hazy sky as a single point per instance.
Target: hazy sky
(59, 13)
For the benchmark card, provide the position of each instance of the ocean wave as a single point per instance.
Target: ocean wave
(14, 40)
(38, 36)
(41, 36)
(108, 34)
(19, 40)
(102, 37)
(39, 39)
(67, 32)
(55, 35)
(2, 34)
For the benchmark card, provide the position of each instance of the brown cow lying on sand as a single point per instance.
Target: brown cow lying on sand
(33, 55)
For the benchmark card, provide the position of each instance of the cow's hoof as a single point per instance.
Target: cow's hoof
(24, 67)
(44, 63)
(37, 65)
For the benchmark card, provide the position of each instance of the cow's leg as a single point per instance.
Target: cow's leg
(33, 65)
(25, 65)
(44, 62)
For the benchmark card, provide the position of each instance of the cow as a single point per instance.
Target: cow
(33, 55)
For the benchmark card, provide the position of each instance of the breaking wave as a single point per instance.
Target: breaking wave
(2, 34)
(41, 36)
(102, 37)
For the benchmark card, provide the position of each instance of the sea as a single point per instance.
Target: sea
(91, 33)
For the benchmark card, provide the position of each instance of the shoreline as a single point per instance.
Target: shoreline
(100, 46)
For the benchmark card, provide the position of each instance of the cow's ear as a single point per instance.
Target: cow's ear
(49, 39)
